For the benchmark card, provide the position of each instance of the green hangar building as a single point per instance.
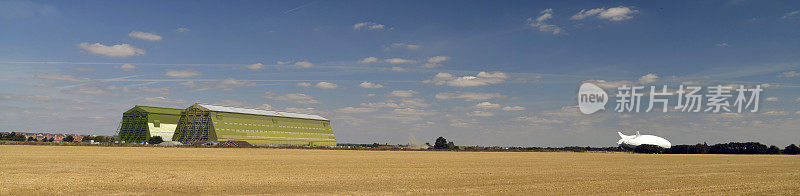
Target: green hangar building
(203, 122)
(142, 122)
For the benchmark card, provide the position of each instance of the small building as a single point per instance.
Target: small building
(142, 122)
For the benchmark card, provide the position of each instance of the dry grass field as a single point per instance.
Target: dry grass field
(71, 170)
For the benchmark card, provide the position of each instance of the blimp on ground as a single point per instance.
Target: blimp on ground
(638, 139)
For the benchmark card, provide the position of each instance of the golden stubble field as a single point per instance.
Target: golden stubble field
(88, 170)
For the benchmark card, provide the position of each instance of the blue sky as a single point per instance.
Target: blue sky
(477, 72)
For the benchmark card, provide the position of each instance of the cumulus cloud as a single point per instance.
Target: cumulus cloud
(304, 64)
(398, 69)
(368, 26)
(294, 97)
(401, 45)
(182, 30)
(126, 67)
(772, 99)
(436, 61)
(541, 24)
(184, 73)
(119, 50)
(513, 108)
(356, 110)
(790, 14)
(231, 83)
(789, 74)
(144, 36)
(480, 113)
(68, 78)
(399, 61)
(649, 78)
(326, 85)
(89, 90)
(612, 14)
(401, 103)
(282, 62)
(406, 93)
(469, 96)
(369, 60)
(304, 84)
(164, 100)
(487, 105)
(483, 78)
(370, 85)
(255, 66)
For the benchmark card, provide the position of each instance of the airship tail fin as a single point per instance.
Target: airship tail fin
(637, 134)
(622, 137)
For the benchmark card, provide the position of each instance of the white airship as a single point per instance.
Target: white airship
(638, 139)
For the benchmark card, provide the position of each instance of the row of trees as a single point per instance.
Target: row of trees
(725, 148)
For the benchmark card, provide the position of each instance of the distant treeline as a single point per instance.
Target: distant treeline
(725, 148)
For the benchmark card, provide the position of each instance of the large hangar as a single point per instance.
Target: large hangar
(203, 122)
(142, 122)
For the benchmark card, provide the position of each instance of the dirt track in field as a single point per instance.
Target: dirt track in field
(92, 170)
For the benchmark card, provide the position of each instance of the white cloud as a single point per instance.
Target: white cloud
(145, 36)
(613, 14)
(402, 103)
(304, 64)
(398, 69)
(231, 83)
(789, 14)
(649, 78)
(401, 45)
(541, 22)
(126, 67)
(255, 66)
(89, 90)
(487, 105)
(304, 84)
(513, 108)
(119, 50)
(282, 62)
(368, 26)
(789, 74)
(723, 45)
(406, 93)
(775, 113)
(68, 78)
(302, 110)
(587, 13)
(370, 95)
(480, 113)
(436, 61)
(326, 85)
(772, 99)
(410, 111)
(369, 60)
(162, 90)
(370, 85)
(164, 100)
(356, 110)
(399, 61)
(483, 78)
(184, 73)
(182, 29)
(294, 97)
(469, 96)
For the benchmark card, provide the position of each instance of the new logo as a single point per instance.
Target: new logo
(591, 98)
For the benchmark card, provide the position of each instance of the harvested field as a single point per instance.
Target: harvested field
(151, 170)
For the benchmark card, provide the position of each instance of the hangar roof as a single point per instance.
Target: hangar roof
(259, 112)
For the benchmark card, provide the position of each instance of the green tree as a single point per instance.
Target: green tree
(441, 143)
(69, 138)
(773, 150)
(791, 149)
(31, 139)
(155, 140)
(51, 139)
(648, 149)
